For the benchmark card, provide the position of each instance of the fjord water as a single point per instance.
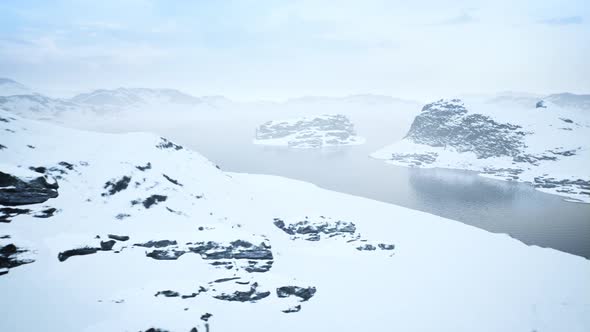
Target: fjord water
(497, 206)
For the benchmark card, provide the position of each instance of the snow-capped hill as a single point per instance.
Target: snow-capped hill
(37, 106)
(135, 97)
(308, 132)
(544, 145)
(133, 232)
(9, 87)
(447, 123)
(570, 100)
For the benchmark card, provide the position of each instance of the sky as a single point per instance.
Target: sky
(262, 49)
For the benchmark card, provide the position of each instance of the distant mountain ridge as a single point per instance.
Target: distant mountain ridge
(10, 87)
(135, 96)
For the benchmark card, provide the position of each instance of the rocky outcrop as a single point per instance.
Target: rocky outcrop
(325, 130)
(7, 213)
(166, 144)
(448, 124)
(17, 191)
(63, 256)
(115, 186)
(251, 295)
(9, 257)
(303, 293)
(314, 230)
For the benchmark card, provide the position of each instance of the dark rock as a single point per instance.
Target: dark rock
(166, 255)
(540, 104)
(122, 216)
(144, 168)
(251, 295)
(258, 266)
(304, 293)
(152, 329)
(168, 293)
(226, 279)
(62, 256)
(20, 192)
(296, 308)
(313, 229)
(566, 120)
(47, 213)
(7, 213)
(118, 237)
(9, 257)
(66, 165)
(2, 147)
(172, 180)
(115, 186)
(30, 146)
(206, 317)
(156, 244)
(384, 246)
(235, 250)
(166, 144)
(107, 245)
(154, 199)
(366, 247)
(39, 169)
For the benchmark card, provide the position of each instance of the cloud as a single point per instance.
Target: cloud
(568, 20)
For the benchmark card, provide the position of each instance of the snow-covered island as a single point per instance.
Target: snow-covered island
(309, 132)
(133, 232)
(541, 143)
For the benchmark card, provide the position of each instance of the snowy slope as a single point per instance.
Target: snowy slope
(545, 146)
(255, 252)
(9, 87)
(308, 132)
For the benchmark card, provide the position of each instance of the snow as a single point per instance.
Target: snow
(441, 276)
(548, 130)
(9, 87)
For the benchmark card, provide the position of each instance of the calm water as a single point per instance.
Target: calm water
(516, 209)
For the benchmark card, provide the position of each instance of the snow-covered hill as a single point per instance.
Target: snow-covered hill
(9, 87)
(132, 232)
(309, 132)
(540, 143)
(39, 107)
(135, 97)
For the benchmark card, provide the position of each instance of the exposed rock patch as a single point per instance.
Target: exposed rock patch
(173, 181)
(144, 168)
(251, 295)
(166, 144)
(7, 213)
(63, 256)
(316, 229)
(9, 257)
(115, 186)
(16, 191)
(303, 293)
(118, 237)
